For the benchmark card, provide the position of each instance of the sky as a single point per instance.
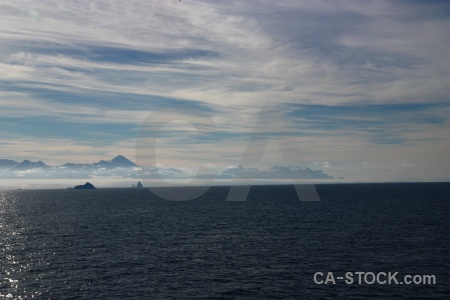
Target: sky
(358, 89)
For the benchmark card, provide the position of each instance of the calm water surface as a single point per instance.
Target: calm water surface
(128, 243)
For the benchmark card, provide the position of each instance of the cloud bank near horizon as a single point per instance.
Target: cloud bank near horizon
(363, 86)
(120, 170)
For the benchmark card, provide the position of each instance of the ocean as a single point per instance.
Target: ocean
(130, 244)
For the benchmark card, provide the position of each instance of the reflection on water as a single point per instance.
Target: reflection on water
(127, 243)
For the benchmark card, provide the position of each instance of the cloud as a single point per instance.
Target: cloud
(405, 163)
(356, 77)
(59, 151)
(259, 53)
(252, 41)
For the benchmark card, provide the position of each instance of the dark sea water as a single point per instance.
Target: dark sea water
(130, 244)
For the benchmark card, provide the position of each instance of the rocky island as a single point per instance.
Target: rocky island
(86, 186)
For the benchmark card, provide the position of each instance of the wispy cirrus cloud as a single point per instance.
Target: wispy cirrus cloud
(361, 77)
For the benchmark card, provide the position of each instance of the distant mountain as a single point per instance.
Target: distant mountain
(7, 163)
(118, 162)
(120, 166)
(122, 162)
(275, 172)
(27, 165)
(39, 169)
(234, 170)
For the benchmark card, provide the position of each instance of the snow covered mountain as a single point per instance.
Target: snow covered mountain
(275, 172)
(120, 166)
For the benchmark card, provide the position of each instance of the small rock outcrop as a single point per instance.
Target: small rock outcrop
(86, 186)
